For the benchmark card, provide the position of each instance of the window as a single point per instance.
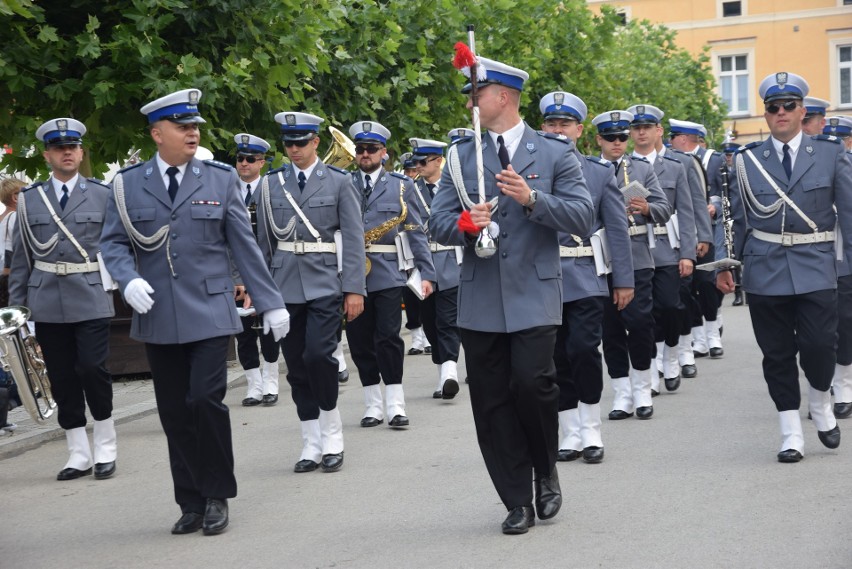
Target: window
(730, 9)
(844, 63)
(734, 83)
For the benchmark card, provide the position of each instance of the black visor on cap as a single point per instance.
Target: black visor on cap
(614, 130)
(561, 115)
(64, 141)
(782, 97)
(297, 135)
(184, 118)
(468, 87)
(644, 121)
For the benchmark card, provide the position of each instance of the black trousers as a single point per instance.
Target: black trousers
(439, 312)
(75, 355)
(247, 351)
(844, 323)
(786, 325)
(628, 335)
(692, 311)
(190, 381)
(309, 353)
(413, 309)
(704, 291)
(514, 397)
(374, 341)
(669, 312)
(579, 371)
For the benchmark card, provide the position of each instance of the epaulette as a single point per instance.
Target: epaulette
(640, 159)
(828, 137)
(400, 176)
(667, 157)
(460, 140)
(218, 164)
(276, 170)
(560, 137)
(750, 145)
(600, 161)
(33, 185)
(98, 182)
(131, 167)
(336, 169)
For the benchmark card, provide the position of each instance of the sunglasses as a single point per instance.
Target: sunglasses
(789, 106)
(249, 159)
(299, 143)
(370, 149)
(424, 161)
(614, 137)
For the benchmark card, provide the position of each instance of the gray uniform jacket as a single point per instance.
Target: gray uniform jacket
(714, 179)
(672, 178)
(660, 211)
(697, 178)
(844, 267)
(381, 205)
(329, 202)
(52, 298)
(821, 178)
(520, 287)
(446, 264)
(579, 276)
(193, 287)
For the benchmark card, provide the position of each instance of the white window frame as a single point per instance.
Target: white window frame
(717, 72)
(835, 64)
(721, 15)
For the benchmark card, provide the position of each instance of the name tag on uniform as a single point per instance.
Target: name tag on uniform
(533, 176)
(205, 202)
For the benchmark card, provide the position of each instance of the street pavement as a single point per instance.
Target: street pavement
(697, 486)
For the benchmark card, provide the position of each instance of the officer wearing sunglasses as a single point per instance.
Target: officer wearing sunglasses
(786, 236)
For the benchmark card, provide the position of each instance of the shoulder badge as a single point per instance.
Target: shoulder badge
(400, 176)
(218, 164)
(131, 167)
(599, 161)
(336, 169)
(827, 137)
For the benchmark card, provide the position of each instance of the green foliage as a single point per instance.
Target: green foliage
(345, 60)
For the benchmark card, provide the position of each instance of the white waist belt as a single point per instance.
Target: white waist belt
(662, 230)
(637, 230)
(381, 248)
(63, 269)
(300, 247)
(576, 251)
(790, 239)
(435, 247)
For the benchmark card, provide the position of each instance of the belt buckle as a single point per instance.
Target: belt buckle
(61, 269)
(299, 247)
(786, 239)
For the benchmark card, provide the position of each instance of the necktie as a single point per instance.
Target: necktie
(172, 171)
(617, 166)
(431, 188)
(502, 153)
(64, 199)
(787, 162)
(301, 181)
(248, 194)
(368, 188)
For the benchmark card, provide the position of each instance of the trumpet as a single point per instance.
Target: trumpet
(20, 355)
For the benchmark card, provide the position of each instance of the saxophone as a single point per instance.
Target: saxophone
(379, 231)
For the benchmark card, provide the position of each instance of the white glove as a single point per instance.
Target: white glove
(278, 321)
(137, 293)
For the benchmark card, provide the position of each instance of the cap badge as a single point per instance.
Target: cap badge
(559, 98)
(640, 109)
(367, 126)
(414, 144)
(834, 121)
(615, 117)
(781, 78)
(193, 97)
(245, 138)
(290, 119)
(62, 125)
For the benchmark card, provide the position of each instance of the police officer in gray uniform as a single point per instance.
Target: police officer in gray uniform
(579, 371)
(396, 238)
(171, 222)
(628, 339)
(675, 242)
(440, 310)
(784, 227)
(510, 304)
(302, 206)
(55, 273)
(815, 121)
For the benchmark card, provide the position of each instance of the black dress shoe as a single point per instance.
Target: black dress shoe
(716, 353)
(519, 520)
(466, 379)
(270, 399)
(398, 422)
(618, 415)
(593, 455)
(842, 410)
(305, 465)
(371, 422)
(738, 298)
(700, 354)
(672, 383)
(548, 495)
(104, 470)
(332, 462)
(688, 371)
(789, 455)
(451, 387)
(72, 473)
(644, 412)
(343, 376)
(427, 350)
(830, 439)
(215, 516)
(568, 455)
(414, 351)
(251, 402)
(189, 522)
(437, 394)
(654, 393)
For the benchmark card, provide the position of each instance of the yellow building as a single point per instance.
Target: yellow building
(749, 39)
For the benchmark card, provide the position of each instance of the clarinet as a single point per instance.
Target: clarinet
(727, 219)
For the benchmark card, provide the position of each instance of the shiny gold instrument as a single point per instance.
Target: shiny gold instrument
(341, 153)
(20, 355)
(379, 231)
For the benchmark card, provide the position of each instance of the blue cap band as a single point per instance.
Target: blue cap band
(174, 111)
(370, 137)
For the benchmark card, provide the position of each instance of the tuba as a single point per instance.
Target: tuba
(20, 355)
(341, 153)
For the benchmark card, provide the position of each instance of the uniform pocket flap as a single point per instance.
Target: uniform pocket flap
(142, 214)
(548, 269)
(38, 218)
(388, 207)
(207, 212)
(89, 217)
(218, 285)
(320, 201)
(816, 183)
